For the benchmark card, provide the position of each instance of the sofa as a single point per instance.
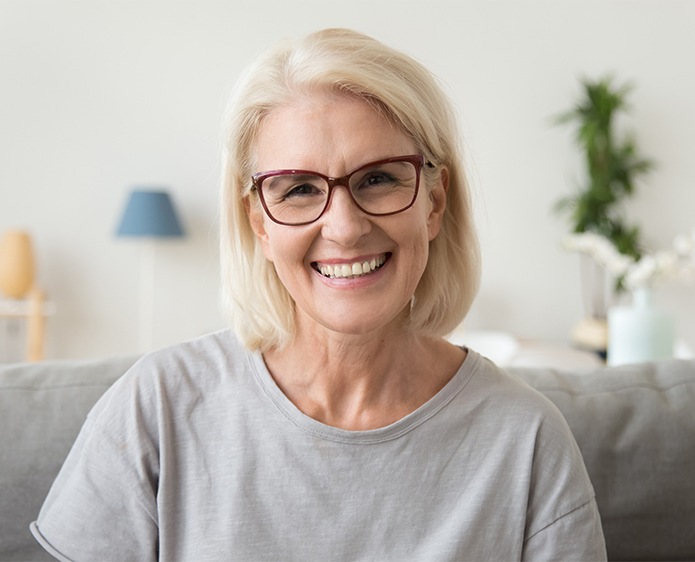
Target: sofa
(635, 426)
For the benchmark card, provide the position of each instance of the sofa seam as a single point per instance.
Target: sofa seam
(56, 387)
(638, 386)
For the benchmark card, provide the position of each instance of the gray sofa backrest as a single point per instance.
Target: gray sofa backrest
(635, 426)
(42, 408)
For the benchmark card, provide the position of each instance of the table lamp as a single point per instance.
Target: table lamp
(149, 215)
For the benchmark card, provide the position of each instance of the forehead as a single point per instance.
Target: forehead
(329, 132)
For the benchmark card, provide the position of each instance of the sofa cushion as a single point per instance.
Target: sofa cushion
(42, 407)
(635, 426)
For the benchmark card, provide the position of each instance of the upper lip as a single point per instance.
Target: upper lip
(342, 261)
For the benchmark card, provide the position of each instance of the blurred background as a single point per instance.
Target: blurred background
(99, 97)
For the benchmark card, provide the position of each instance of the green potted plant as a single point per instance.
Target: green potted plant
(612, 166)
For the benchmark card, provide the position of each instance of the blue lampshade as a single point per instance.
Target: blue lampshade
(150, 214)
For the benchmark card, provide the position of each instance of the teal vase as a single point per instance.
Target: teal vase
(639, 332)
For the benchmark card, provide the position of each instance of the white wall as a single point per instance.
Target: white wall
(97, 96)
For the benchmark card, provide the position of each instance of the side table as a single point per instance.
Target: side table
(507, 350)
(33, 310)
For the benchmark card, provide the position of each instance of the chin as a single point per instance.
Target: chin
(361, 324)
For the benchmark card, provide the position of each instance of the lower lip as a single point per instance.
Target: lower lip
(354, 282)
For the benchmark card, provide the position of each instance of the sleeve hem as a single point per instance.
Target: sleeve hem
(46, 545)
(585, 505)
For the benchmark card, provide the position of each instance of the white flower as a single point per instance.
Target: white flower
(677, 264)
(684, 245)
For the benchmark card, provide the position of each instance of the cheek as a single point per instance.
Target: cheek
(427, 231)
(281, 245)
(287, 248)
(434, 225)
(417, 247)
(429, 222)
(423, 254)
(260, 229)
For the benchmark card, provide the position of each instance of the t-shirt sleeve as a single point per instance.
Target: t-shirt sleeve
(102, 505)
(574, 536)
(563, 519)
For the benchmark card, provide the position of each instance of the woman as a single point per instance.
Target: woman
(336, 424)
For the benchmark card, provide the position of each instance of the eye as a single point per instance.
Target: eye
(293, 187)
(380, 177)
(376, 179)
(303, 190)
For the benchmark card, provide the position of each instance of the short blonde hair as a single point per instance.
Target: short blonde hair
(260, 308)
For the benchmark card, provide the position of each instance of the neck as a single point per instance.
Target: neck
(362, 382)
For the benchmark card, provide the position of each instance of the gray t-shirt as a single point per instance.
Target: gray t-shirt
(195, 454)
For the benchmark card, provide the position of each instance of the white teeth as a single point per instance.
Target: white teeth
(355, 269)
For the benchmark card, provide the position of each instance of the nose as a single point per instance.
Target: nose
(342, 221)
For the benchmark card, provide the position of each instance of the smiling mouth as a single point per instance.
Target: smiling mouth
(351, 270)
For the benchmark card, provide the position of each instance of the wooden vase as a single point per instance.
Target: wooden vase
(16, 264)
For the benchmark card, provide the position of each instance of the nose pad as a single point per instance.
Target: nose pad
(341, 194)
(343, 220)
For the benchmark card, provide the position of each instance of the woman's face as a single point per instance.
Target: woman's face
(334, 134)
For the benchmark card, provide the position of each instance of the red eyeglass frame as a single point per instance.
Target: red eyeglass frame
(417, 160)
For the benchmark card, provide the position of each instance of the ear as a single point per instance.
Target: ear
(257, 221)
(438, 195)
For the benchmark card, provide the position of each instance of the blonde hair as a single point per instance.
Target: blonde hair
(260, 308)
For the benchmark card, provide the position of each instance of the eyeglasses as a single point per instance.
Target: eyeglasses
(299, 197)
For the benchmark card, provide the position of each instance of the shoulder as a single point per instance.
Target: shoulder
(521, 421)
(204, 359)
(219, 351)
(508, 395)
(179, 374)
(528, 431)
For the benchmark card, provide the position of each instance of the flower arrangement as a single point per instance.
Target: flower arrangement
(676, 264)
(612, 247)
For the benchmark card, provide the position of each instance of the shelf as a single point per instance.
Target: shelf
(32, 311)
(22, 308)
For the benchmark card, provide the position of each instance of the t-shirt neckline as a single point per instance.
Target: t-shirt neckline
(392, 431)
